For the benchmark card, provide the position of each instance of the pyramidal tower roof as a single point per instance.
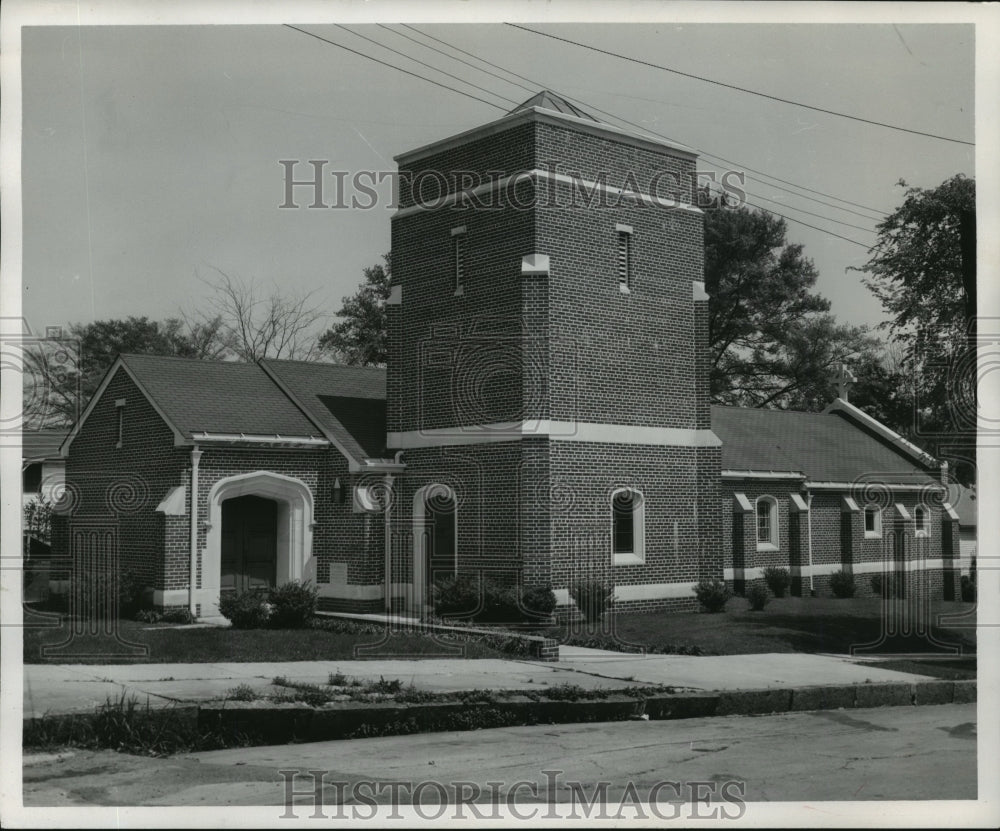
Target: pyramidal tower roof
(548, 100)
(547, 106)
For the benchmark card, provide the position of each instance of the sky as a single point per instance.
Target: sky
(151, 153)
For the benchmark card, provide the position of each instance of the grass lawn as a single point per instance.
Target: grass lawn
(790, 624)
(172, 644)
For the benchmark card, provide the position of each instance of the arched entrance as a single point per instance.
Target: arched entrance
(259, 529)
(435, 538)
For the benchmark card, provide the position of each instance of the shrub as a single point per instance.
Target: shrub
(148, 616)
(842, 583)
(294, 605)
(593, 598)
(95, 591)
(778, 580)
(490, 601)
(712, 594)
(179, 615)
(968, 589)
(501, 603)
(457, 596)
(877, 584)
(886, 585)
(538, 602)
(756, 593)
(246, 610)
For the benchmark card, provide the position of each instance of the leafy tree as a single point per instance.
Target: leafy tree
(773, 342)
(67, 377)
(360, 337)
(922, 269)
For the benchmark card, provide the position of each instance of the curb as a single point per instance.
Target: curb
(260, 722)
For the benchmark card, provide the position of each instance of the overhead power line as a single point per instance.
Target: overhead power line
(393, 66)
(497, 106)
(586, 105)
(742, 89)
(429, 66)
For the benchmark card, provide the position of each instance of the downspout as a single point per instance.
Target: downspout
(387, 514)
(809, 534)
(193, 573)
(389, 498)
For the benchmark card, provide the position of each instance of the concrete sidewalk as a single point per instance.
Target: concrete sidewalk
(82, 687)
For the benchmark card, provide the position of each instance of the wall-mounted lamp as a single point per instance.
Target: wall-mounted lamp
(337, 492)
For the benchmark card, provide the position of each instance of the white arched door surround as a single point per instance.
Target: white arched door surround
(294, 537)
(421, 537)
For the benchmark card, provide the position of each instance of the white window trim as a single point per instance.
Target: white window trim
(877, 533)
(925, 532)
(775, 534)
(637, 555)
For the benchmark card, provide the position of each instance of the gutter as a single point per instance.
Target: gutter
(809, 535)
(930, 485)
(762, 474)
(253, 438)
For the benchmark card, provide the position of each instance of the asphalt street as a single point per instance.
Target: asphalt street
(891, 753)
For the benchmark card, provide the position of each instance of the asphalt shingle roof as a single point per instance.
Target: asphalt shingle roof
(42, 444)
(348, 401)
(825, 447)
(218, 397)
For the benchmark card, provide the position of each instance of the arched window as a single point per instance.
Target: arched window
(767, 523)
(628, 526)
(921, 521)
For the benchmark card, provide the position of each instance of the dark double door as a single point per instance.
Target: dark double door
(249, 543)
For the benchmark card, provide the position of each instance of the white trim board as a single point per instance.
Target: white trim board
(553, 430)
(539, 173)
(642, 591)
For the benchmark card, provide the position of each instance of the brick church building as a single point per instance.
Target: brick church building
(544, 417)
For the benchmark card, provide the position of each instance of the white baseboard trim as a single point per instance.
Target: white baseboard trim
(825, 569)
(642, 591)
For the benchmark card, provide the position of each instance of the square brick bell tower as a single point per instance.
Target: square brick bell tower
(548, 361)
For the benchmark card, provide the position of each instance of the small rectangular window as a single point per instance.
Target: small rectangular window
(920, 520)
(873, 522)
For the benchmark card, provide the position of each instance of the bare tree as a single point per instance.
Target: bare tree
(259, 323)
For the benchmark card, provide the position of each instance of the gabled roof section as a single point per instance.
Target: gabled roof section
(218, 397)
(824, 447)
(42, 445)
(347, 402)
(847, 410)
(548, 100)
